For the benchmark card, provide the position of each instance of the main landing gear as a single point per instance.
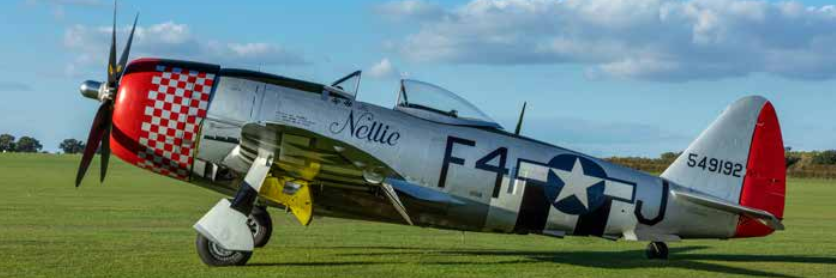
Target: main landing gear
(657, 251)
(212, 254)
(232, 229)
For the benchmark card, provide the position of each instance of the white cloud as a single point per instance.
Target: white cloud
(666, 40)
(410, 9)
(384, 69)
(173, 40)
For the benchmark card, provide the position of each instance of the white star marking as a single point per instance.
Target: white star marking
(575, 183)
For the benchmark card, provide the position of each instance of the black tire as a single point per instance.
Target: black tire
(657, 251)
(213, 255)
(261, 226)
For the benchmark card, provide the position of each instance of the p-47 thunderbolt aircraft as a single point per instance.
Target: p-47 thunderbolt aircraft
(434, 160)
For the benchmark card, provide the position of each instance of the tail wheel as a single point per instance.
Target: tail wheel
(213, 254)
(260, 225)
(657, 250)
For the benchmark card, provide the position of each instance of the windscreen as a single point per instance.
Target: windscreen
(425, 96)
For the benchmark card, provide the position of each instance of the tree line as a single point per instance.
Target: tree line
(28, 144)
(800, 164)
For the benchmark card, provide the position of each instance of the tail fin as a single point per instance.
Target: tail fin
(740, 159)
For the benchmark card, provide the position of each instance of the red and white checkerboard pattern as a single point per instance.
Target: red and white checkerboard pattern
(177, 103)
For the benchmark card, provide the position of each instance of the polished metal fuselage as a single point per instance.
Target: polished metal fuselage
(502, 179)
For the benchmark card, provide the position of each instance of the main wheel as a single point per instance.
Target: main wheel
(260, 225)
(657, 250)
(213, 254)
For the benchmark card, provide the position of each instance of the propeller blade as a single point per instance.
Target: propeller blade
(104, 157)
(93, 141)
(111, 62)
(123, 60)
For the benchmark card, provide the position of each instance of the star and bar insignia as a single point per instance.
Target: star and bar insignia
(575, 185)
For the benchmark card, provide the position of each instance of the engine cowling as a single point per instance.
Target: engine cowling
(158, 113)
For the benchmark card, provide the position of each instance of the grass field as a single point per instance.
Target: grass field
(139, 225)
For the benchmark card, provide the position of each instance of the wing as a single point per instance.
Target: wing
(306, 155)
(309, 156)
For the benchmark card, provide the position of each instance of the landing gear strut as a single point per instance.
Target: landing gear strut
(213, 254)
(657, 251)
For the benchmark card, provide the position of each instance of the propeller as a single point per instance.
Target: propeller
(106, 93)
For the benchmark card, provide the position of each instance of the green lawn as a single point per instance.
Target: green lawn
(139, 225)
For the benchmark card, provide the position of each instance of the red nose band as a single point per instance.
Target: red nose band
(160, 108)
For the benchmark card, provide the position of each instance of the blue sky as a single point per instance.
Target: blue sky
(604, 77)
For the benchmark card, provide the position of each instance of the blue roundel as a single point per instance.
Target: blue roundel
(583, 181)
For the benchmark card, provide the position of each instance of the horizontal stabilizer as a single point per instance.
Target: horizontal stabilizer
(423, 193)
(720, 204)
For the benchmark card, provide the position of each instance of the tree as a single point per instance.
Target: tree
(791, 160)
(7, 143)
(71, 146)
(669, 156)
(28, 144)
(825, 158)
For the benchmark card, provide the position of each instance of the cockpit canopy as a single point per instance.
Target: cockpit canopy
(423, 100)
(433, 103)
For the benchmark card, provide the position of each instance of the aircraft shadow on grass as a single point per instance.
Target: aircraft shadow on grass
(680, 258)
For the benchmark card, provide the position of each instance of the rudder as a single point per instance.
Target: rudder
(739, 158)
(764, 186)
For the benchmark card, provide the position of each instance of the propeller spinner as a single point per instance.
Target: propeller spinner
(105, 92)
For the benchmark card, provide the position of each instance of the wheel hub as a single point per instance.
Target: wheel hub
(254, 226)
(219, 252)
